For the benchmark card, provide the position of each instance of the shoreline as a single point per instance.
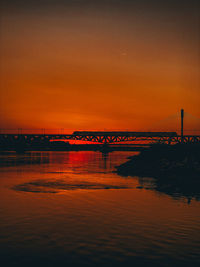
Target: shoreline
(175, 169)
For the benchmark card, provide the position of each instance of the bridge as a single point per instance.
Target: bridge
(101, 137)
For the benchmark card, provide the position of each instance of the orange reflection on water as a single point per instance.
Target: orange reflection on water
(126, 220)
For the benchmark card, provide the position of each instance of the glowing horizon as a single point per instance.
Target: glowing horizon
(98, 66)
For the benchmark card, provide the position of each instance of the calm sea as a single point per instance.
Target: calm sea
(70, 209)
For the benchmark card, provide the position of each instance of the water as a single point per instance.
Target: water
(70, 209)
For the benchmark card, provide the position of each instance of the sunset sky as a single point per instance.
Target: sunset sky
(96, 65)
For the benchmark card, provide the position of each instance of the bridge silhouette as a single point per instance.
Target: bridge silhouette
(103, 137)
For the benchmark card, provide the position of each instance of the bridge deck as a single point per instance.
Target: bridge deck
(103, 137)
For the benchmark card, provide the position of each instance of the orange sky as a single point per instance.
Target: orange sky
(99, 67)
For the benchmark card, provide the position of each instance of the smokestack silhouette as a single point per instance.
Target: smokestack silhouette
(182, 117)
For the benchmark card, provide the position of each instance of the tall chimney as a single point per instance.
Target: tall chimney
(182, 116)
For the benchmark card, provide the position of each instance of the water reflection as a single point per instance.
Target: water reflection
(13, 159)
(81, 165)
(107, 220)
(75, 171)
(56, 186)
(190, 190)
(105, 156)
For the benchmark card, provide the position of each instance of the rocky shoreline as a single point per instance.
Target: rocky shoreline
(175, 169)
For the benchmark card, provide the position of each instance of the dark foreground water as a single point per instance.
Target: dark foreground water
(70, 209)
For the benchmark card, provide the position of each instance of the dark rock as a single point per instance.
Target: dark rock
(176, 169)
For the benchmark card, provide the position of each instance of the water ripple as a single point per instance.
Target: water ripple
(55, 186)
